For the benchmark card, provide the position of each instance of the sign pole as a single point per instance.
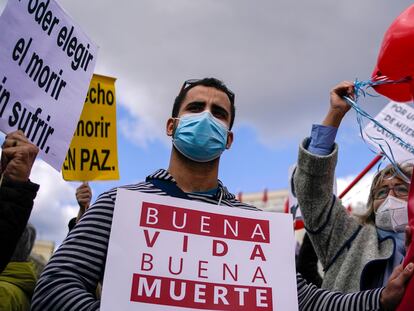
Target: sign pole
(362, 174)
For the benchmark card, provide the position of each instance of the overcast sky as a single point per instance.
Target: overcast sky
(279, 57)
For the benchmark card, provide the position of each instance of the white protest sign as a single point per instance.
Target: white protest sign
(173, 254)
(46, 63)
(398, 118)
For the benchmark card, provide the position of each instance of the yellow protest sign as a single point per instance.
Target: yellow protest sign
(92, 154)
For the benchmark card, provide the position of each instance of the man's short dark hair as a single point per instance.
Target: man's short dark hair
(208, 82)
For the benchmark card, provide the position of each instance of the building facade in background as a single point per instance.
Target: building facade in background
(270, 201)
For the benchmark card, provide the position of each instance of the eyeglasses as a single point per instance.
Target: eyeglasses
(193, 82)
(400, 191)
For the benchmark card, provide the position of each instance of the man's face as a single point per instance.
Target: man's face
(202, 98)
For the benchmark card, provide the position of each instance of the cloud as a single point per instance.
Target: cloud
(357, 197)
(54, 205)
(280, 57)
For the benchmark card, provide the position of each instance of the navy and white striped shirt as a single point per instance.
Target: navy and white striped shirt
(70, 278)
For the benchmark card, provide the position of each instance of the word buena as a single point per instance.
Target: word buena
(203, 223)
(229, 272)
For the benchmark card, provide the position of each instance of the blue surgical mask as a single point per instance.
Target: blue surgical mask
(200, 137)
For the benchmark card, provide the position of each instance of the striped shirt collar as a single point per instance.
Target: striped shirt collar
(163, 174)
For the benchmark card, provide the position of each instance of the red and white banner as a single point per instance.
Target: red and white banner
(173, 254)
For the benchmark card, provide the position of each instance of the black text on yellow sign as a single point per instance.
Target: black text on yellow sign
(92, 154)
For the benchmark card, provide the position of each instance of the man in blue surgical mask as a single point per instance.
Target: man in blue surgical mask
(200, 128)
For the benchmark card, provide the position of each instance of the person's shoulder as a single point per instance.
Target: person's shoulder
(105, 202)
(238, 204)
(142, 186)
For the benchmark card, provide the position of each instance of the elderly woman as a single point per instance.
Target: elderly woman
(356, 254)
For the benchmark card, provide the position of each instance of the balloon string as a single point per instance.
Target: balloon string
(362, 86)
(360, 90)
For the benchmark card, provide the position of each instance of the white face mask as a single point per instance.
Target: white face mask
(392, 215)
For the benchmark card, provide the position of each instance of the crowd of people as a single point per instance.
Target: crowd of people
(361, 258)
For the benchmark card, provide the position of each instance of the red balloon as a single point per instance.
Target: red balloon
(396, 59)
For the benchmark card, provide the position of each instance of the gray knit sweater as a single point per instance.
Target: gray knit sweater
(352, 255)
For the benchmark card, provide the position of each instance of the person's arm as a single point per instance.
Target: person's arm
(322, 139)
(69, 280)
(17, 192)
(311, 298)
(16, 203)
(84, 197)
(338, 105)
(323, 136)
(323, 213)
